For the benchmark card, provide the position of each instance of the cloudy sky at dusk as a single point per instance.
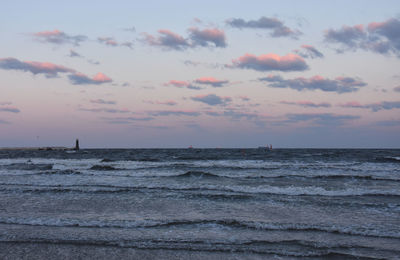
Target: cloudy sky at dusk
(202, 73)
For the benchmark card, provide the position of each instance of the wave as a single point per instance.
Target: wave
(27, 166)
(357, 230)
(104, 168)
(197, 174)
(61, 172)
(388, 159)
(196, 186)
(282, 249)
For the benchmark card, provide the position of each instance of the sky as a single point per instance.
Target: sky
(170, 74)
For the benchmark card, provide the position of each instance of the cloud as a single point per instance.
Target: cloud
(306, 104)
(339, 84)
(211, 81)
(397, 89)
(325, 119)
(388, 123)
(59, 37)
(244, 98)
(270, 62)
(4, 122)
(379, 37)
(167, 103)
(172, 41)
(104, 110)
(181, 84)
(167, 40)
(46, 68)
(126, 120)
(308, 51)
(233, 114)
(212, 99)
(384, 105)
(73, 54)
(205, 37)
(103, 102)
(9, 109)
(82, 79)
(130, 29)
(107, 41)
(174, 113)
(347, 35)
(276, 26)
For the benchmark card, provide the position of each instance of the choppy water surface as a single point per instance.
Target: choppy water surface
(295, 203)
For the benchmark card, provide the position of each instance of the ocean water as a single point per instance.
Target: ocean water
(243, 203)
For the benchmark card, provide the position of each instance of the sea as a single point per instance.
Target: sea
(200, 204)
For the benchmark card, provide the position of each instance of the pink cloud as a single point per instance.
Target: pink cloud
(211, 81)
(181, 84)
(82, 79)
(177, 83)
(270, 62)
(48, 33)
(59, 37)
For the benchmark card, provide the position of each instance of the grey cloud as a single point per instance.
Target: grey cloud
(102, 101)
(73, 54)
(347, 35)
(388, 123)
(270, 62)
(308, 51)
(174, 113)
(233, 114)
(4, 122)
(167, 39)
(10, 109)
(46, 68)
(397, 89)
(212, 99)
(172, 41)
(384, 105)
(273, 24)
(339, 85)
(379, 37)
(306, 104)
(206, 37)
(325, 119)
(104, 110)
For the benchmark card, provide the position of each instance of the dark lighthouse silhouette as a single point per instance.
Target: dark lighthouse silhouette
(76, 145)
